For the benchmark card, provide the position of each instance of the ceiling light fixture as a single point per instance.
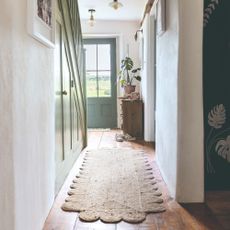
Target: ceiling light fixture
(91, 19)
(115, 4)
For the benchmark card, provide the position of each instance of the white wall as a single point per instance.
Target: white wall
(191, 154)
(148, 81)
(167, 97)
(179, 135)
(6, 117)
(26, 71)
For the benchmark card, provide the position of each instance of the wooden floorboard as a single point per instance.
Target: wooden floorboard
(213, 215)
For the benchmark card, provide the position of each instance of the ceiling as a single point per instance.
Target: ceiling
(131, 10)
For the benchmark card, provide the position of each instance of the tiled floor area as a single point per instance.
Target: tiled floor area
(214, 215)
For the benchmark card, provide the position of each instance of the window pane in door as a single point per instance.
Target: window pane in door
(91, 82)
(104, 83)
(91, 55)
(104, 57)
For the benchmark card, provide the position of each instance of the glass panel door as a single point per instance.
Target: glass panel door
(100, 82)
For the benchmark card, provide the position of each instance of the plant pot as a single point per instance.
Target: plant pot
(129, 89)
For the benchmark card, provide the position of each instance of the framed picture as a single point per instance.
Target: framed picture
(161, 22)
(41, 20)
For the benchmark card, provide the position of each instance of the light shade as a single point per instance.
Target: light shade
(115, 4)
(91, 19)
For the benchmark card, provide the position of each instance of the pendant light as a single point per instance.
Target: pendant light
(115, 4)
(91, 19)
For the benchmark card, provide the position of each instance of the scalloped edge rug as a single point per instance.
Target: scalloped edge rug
(114, 185)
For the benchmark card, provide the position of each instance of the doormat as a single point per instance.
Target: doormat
(114, 185)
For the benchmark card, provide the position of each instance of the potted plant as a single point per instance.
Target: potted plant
(127, 74)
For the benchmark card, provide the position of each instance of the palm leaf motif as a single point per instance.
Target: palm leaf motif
(217, 116)
(223, 148)
(209, 10)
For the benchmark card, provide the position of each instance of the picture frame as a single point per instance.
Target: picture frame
(161, 17)
(41, 21)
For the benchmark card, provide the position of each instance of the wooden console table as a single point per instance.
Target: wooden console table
(132, 114)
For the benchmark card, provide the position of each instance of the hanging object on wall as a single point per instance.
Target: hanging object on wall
(91, 19)
(138, 34)
(115, 4)
(161, 17)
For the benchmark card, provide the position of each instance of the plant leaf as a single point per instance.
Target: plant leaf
(217, 116)
(123, 82)
(223, 148)
(138, 78)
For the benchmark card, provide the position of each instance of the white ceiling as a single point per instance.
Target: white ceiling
(131, 10)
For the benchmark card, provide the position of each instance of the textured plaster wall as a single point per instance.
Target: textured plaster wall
(6, 117)
(167, 97)
(27, 112)
(179, 135)
(190, 187)
(148, 81)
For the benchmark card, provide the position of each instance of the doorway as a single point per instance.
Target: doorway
(101, 90)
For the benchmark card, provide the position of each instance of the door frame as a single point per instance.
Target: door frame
(98, 102)
(149, 77)
(119, 55)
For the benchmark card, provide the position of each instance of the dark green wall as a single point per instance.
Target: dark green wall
(216, 83)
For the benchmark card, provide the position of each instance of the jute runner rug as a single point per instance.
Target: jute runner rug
(114, 185)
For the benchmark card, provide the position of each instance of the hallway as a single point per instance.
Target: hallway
(182, 48)
(177, 217)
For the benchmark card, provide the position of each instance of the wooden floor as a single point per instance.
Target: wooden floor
(214, 215)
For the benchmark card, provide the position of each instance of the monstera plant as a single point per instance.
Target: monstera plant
(127, 74)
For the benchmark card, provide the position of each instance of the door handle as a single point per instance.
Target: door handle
(64, 92)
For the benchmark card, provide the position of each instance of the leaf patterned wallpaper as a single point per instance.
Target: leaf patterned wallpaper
(216, 83)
